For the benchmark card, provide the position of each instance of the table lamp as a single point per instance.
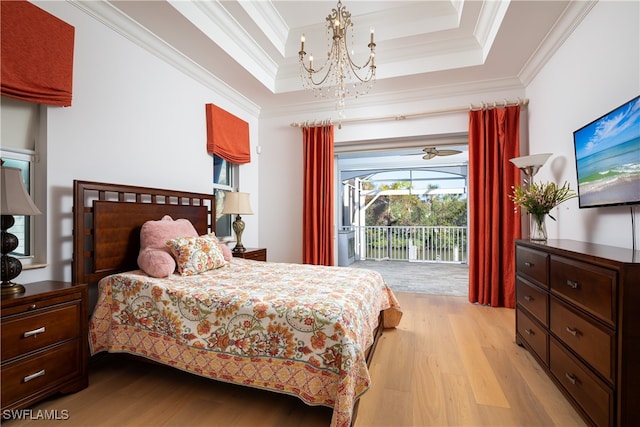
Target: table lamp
(237, 203)
(14, 201)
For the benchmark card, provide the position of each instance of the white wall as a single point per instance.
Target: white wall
(134, 120)
(596, 70)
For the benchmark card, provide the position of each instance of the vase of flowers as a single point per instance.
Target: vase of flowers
(538, 200)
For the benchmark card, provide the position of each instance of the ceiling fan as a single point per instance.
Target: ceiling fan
(432, 152)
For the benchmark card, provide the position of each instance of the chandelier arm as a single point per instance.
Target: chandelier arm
(366, 78)
(371, 70)
(321, 82)
(354, 67)
(312, 71)
(368, 64)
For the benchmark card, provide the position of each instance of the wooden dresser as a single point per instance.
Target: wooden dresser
(44, 343)
(257, 254)
(578, 313)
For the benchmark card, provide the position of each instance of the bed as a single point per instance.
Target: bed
(308, 331)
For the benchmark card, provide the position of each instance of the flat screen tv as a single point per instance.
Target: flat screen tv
(608, 158)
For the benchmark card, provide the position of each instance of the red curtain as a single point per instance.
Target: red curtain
(317, 236)
(37, 55)
(494, 224)
(227, 135)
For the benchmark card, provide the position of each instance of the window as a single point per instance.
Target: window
(225, 175)
(22, 229)
(23, 136)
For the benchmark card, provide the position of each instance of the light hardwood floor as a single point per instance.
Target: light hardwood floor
(449, 363)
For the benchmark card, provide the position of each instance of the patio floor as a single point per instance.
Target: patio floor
(421, 277)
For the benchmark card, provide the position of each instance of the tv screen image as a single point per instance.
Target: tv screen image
(608, 158)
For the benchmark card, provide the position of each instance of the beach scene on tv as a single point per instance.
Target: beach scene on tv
(608, 158)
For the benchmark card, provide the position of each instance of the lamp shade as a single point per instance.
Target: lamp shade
(530, 164)
(237, 203)
(14, 197)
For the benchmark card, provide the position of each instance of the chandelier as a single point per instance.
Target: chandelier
(339, 77)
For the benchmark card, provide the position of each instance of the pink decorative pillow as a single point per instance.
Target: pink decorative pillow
(155, 258)
(226, 252)
(156, 262)
(196, 255)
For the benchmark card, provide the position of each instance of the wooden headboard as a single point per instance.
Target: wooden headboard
(107, 219)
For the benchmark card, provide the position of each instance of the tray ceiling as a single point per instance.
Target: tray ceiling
(424, 48)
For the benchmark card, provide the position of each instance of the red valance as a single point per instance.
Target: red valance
(227, 135)
(37, 54)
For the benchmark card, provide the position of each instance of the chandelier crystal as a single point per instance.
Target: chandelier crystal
(339, 77)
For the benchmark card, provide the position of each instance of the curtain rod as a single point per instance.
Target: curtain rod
(469, 107)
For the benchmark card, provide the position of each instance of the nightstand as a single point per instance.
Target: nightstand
(257, 254)
(44, 333)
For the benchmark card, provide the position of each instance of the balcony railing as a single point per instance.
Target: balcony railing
(413, 243)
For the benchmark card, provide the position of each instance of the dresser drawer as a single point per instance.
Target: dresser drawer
(533, 299)
(533, 265)
(591, 394)
(594, 342)
(588, 286)
(536, 337)
(40, 372)
(22, 334)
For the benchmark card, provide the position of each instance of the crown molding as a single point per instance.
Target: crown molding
(489, 20)
(267, 18)
(572, 16)
(111, 17)
(217, 23)
(415, 95)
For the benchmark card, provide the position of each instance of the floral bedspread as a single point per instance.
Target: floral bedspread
(291, 328)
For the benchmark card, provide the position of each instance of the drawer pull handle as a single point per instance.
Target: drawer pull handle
(34, 332)
(572, 331)
(528, 264)
(572, 284)
(33, 376)
(529, 331)
(528, 298)
(570, 377)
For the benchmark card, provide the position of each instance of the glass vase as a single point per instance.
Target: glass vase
(538, 228)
